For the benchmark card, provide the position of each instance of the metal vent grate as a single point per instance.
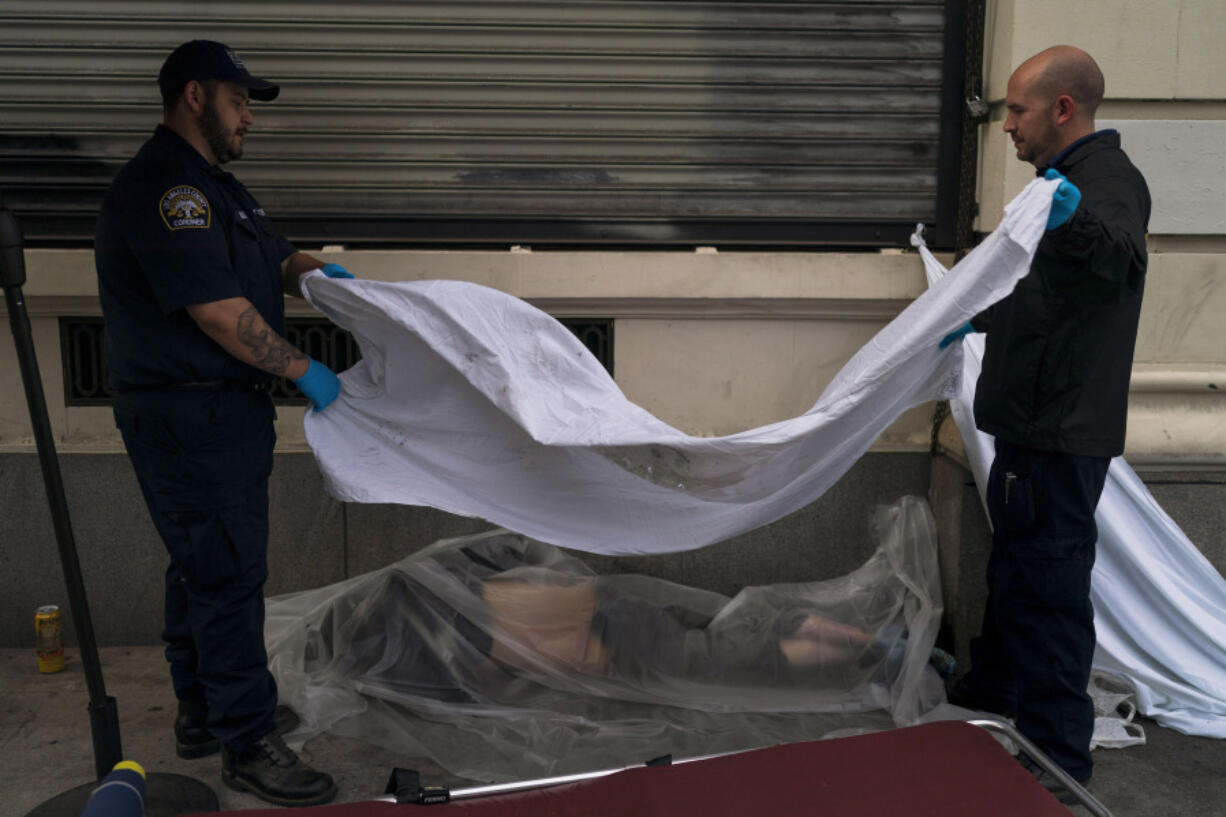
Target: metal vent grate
(322, 340)
(596, 335)
(83, 345)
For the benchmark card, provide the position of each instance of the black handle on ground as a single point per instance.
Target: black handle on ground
(103, 714)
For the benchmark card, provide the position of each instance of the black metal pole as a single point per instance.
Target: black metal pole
(103, 714)
(167, 794)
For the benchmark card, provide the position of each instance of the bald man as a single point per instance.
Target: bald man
(1054, 393)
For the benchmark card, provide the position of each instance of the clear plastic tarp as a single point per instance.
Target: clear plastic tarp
(502, 657)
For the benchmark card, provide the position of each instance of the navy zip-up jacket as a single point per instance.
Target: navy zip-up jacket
(1059, 348)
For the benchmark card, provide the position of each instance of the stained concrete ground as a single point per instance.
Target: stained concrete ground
(46, 749)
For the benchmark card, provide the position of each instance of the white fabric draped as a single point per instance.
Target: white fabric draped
(472, 401)
(1159, 605)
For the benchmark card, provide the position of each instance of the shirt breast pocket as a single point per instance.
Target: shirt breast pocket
(246, 254)
(265, 227)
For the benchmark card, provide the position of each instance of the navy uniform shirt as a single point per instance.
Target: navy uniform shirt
(176, 231)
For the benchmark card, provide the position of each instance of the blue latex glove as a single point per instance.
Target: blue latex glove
(964, 329)
(335, 271)
(1064, 201)
(320, 384)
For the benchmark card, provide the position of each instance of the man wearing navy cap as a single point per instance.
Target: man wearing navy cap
(192, 277)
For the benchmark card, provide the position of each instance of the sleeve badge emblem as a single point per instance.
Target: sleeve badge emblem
(185, 207)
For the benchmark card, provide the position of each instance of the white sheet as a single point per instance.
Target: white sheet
(470, 400)
(1159, 605)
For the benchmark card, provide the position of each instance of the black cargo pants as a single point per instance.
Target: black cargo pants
(1034, 654)
(203, 457)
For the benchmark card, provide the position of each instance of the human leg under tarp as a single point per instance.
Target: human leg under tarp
(592, 628)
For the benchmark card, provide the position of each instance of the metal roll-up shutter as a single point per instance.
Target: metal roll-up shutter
(575, 121)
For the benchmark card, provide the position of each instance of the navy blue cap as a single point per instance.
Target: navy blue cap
(203, 60)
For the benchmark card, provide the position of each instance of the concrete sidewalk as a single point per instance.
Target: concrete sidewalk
(46, 749)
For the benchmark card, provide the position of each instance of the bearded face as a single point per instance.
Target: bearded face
(225, 137)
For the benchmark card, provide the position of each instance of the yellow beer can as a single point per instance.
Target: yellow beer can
(49, 641)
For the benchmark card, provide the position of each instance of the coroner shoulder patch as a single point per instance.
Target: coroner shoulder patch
(185, 207)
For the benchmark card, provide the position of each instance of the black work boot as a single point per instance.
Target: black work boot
(962, 694)
(268, 769)
(1049, 781)
(193, 739)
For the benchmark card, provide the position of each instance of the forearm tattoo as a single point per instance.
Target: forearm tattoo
(271, 351)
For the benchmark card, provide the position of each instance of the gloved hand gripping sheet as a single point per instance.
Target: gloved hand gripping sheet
(472, 401)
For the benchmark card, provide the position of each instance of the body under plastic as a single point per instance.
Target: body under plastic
(502, 657)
